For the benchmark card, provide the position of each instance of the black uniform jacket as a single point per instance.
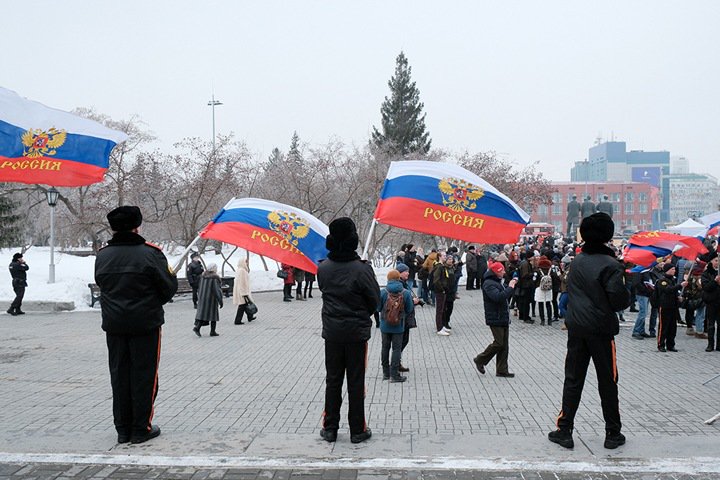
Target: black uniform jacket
(711, 290)
(18, 271)
(667, 292)
(135, 282)
(596, 290)
(350, 295)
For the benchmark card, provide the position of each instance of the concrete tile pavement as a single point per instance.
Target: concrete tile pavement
(254, 396)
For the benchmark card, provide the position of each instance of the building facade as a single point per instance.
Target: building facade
(633, 203)
(692, 195)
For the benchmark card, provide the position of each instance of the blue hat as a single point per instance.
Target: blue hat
(401, 267)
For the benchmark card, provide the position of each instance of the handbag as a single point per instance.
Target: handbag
(282, 274)
(250, 308)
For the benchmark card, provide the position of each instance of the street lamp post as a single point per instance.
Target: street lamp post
(212, 103)
(52, 197)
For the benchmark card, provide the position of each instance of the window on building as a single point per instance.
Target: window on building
(642, 196)
(556, 197)
(629, 196)
(542, 210)
(557, 209)
(628, 209)
(615, 197)
(643, 208)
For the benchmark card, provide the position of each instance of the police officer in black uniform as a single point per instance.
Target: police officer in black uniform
(596, 290)
(350, 295)
(668, 302)
(18, 272)
(135, 282)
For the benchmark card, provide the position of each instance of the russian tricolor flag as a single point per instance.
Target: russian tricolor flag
(275, 230)
(42, 145)
(447, 200)
(712, 221)
(644, 248)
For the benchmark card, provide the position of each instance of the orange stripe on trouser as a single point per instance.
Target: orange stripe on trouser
(557, 420)
(155, 383)
(614, 361)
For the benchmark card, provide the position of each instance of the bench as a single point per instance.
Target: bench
(184, 288)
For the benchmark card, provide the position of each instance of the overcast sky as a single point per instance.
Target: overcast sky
(531, 80)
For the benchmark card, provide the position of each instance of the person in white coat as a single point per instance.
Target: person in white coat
(241, 291)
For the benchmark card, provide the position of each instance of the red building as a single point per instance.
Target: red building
(633, 203)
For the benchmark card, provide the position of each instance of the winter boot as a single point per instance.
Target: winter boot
(213, 333)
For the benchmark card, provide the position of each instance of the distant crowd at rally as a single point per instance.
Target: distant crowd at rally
(541, 265)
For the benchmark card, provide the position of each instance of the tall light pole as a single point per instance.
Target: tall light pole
(212, 103)
(52, 197)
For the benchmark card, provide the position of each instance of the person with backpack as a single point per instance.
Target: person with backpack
(410, 321)
(544, 290)
(395, 305)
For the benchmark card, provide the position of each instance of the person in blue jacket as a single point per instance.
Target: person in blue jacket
(392, 335)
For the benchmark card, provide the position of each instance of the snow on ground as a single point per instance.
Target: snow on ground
(73, 273)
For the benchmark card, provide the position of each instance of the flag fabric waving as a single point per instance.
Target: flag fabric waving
(712, 221)
(275, 230)
(646, 247)
(447, 200)
(42, 145)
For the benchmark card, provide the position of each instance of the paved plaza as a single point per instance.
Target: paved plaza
(248, 404)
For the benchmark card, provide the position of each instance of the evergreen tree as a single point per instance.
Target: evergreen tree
(403, 121)
(9, 228)
(294, 154)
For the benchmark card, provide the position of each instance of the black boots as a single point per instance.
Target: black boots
(213, 333)
(562, 438)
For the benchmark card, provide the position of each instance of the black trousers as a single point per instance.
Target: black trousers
(471, 280)
(667, 326)
(195, 294)
(500, 347)
(712, 322)
(343, 359)
(134, 362)
(19, 294)
(579, 352)
(287, 290)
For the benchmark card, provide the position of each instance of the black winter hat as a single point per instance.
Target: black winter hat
(597, 228)
(17, 256)
(125, 218)
(667, 267)
(343, 235)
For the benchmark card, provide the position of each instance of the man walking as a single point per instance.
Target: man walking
(136, 282)
(18, 272)
(193, 273)
(497, 316)
(596, 290)
(350, 295)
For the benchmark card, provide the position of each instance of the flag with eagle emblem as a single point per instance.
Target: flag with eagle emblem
(275, 230)
(42, 145)
(447, 200)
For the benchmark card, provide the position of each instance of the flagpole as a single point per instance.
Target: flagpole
(369, 236)
(182, 257)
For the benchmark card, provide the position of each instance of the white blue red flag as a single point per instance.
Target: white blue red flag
(275, 230)
(42, 145)
(447, 200)
(712, 221)
(644, 248)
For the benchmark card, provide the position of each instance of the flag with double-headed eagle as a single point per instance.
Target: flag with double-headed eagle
(275, 230)
(42, 145)
(447, 200)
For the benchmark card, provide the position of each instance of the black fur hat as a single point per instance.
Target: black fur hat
(343, 235)
(17, 256)
(597, 228)
(125, 218)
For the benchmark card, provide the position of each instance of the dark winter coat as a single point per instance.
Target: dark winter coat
(495, 300)
(395, 286)
(641, 284)
(573, 210)
(136, 282)
(443, 279)
(193, 272)
(18, 272)
(471, 261)
(605, 207)
(298, 275)
(587, 208)
(711, 289)
(596, 290)
(210, 299)
(350, 295)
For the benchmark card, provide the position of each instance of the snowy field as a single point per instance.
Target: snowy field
(73, 273)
